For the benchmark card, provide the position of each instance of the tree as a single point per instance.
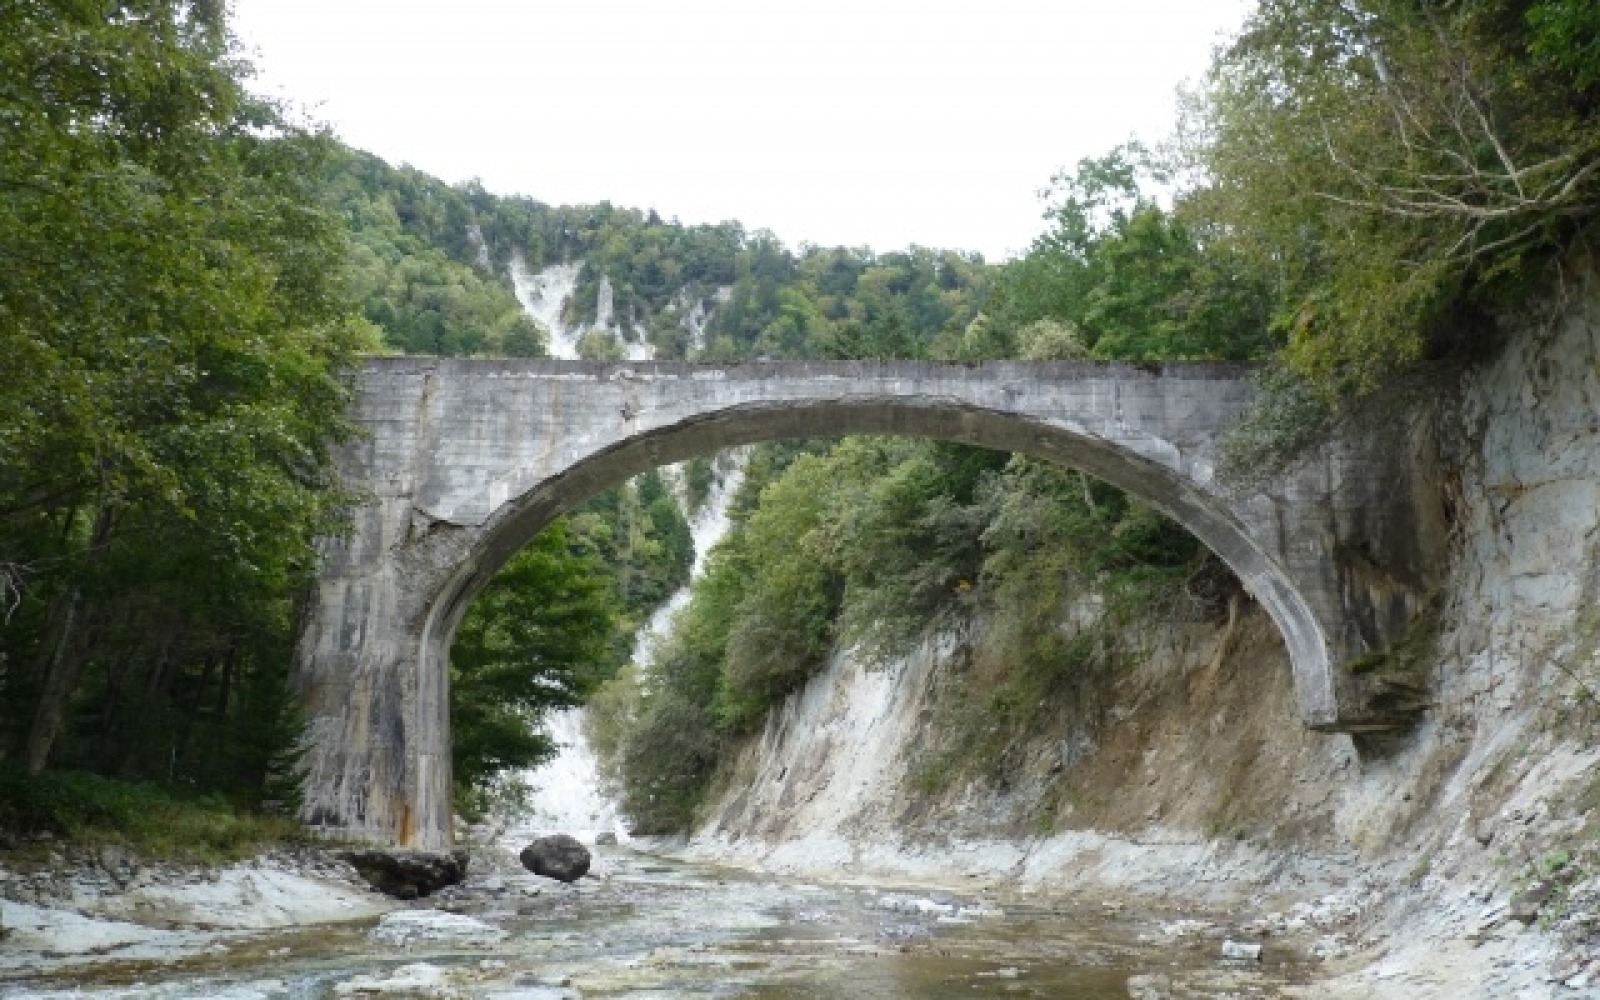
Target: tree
(176, 337)
(535, 639)
(1131, 279)
(1400, 165)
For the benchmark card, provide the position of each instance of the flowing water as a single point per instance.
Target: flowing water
(658, 928)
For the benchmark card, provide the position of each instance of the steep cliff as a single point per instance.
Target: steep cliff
(1182, 768)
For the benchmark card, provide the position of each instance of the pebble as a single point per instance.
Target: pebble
(1241, 951)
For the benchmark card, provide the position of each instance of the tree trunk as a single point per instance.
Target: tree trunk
(61, 675)
(67, 657)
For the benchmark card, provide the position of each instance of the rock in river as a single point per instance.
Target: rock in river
(559, 857)
(408, 874)
(407, 927)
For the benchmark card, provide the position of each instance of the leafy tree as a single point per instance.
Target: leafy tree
(536, 638)
(1400, 166)
(175, 335)
(1130, 279)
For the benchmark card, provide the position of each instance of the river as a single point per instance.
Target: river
(654, 927)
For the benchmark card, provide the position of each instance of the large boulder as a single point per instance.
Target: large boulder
(559, 857)
(408, 874)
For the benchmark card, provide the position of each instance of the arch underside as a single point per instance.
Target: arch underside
(1138, 463)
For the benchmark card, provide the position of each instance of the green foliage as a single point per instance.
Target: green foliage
(535, 638)
(1400, 168)
(871, 542)
(781, 629)
(698, 476)
(1117, 276)
(1288, 417)
(906, 536)
(176, 336)
(415, 270)
(668, 760)
(1564, 40)
(88, 809)
(846, 304)
(638, 532)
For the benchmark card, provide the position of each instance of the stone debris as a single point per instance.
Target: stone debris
(1241, 951)
(429, 980)
(1150, 987)
(404, 928)
(943, 908)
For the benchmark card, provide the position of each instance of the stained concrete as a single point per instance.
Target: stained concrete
(465, 461)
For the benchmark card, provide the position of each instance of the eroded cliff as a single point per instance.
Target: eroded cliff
(1458, 859)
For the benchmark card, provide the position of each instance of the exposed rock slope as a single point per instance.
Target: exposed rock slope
(1429, 855)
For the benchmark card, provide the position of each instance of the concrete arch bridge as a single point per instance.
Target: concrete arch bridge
(466, 460)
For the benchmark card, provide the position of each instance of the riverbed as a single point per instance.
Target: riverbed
(653, 927)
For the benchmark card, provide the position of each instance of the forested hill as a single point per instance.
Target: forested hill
(432, 267)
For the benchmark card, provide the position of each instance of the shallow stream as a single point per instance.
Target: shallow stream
(656, 928)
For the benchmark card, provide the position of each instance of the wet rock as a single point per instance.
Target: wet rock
(1155, 987)
(559, 857)
(547, 981)
(1241, 951)
(605, 839)
(1583, 979)
(551, 987)
(408, 874)
(406, 927)
(118, 863)
(1525, 905)
(412, 979)
(923, 905)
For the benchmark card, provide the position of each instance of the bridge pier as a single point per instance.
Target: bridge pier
(467, 460)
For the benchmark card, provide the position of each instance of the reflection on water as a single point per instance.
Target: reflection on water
(666, 929)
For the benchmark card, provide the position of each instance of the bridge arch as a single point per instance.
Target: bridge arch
(519, 519)
(467, 460)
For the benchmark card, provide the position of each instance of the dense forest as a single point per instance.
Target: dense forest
(1352, 195)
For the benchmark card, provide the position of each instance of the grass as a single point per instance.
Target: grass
(88, 810)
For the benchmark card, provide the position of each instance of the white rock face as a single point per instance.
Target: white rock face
(568, 795)
(707, 526)
(544, 296)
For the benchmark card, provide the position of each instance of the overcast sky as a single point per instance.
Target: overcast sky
(869, 122)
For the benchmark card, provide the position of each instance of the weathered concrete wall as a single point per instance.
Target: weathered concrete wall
(467, 460)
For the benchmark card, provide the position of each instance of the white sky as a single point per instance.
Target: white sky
(873, 122)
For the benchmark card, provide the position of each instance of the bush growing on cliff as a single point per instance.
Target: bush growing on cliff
(1398, 166)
